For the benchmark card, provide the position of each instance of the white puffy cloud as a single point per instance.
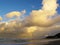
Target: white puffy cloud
(23, 12)
(42, 16)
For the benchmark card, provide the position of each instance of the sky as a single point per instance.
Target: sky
(18, 5)
(24, 18)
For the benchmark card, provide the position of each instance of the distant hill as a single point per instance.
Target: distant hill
(53, 37)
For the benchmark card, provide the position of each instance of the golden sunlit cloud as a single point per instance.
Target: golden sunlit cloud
(1, 18)
(31, 29)
(37, 23)
(12, 14)
(15, 14)
(40, 17)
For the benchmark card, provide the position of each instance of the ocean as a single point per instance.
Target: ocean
(30, 42)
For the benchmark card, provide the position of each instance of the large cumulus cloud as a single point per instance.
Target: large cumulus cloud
(39, 23)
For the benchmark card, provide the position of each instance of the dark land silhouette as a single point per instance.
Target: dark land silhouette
(53, 37)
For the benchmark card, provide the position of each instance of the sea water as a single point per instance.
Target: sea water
(26, 42)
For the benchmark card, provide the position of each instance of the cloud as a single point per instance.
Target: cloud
(16, 29)
(1, 18)
(23, 12)
(15, 14)
(11, 29)
(50, 5)
(42, 16)
(12, 14)
(38, 24)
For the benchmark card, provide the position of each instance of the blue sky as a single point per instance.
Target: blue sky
(18, 5)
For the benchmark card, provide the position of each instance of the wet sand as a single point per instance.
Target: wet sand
(54, 43)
